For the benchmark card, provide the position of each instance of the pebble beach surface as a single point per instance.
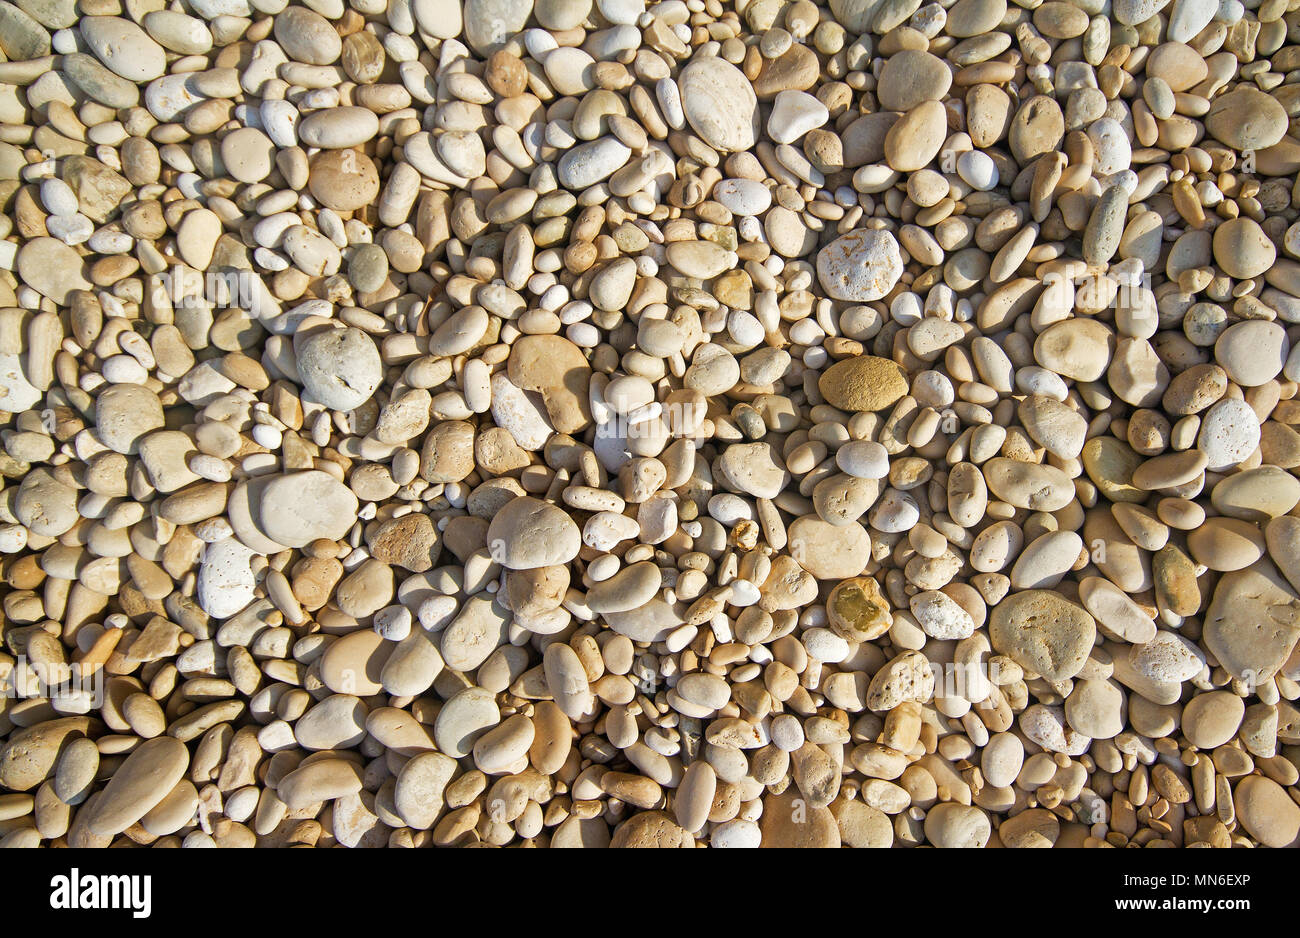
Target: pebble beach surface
(585, 423)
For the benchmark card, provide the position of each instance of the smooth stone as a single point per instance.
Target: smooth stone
(910, 77)
(421, 784)
(51, 268)
(590, 163)
(300, 507)
(478, 630)
(354, 662)
(306, 36)
(611, 288)
(789, 821)
(30, 754)
(1096, 709)
(793, 114)
(123, 47)
(196, 238)
(249, 155)
(861, 266)
(317, 781)
(1059, 429)
(1038, 127)
(719, 103)
(528, 533)
(1252, 352)
(1256, 494)
(1266, 811)
(865, 383)
(1246, 119)
(1077, 348)
(1227, 544)
(1042, 632)
(1242, 249)
(338, 128)
(44, 504)
(177, 32)
(753, 469)
(343, 180)
(652, 623)
(124, 415)
(339, 368)
(743, 196)
(795, 69)
(490, 23)
(829, 552)
(145, 777)
(441, 19)
(1211, 719)
(337, 722)
(952, 826)
(226, 584)
(914, 141)
(630, 588)
(1282, 535)
(1252, 623)
(967, 18)
(567, 680)
(52, 14)
(96, 81)
(1035, 486)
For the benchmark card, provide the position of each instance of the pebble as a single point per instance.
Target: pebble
(862, 265)
(743, 196)
(124, 47)
(719, 103)
(489, 23)
(865, 383)
(124, 414)
(340, 368)
(1252, 352)
(914, 141)
(51, 268)
(297, 508)
(1043, 633)
(753, 469)
(1266, 811)
(1246, 119)
(793, 114)
(343, 180)
(911, 77)
(526, 534)
(306, 36)
(957, 826)
(1253, 622)
(1229, 433)
(226, 583)
(590, 163)
(143, 779)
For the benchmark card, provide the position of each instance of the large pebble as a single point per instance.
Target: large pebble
(863, 265)
(528, 533)
(720, 104)
(1042, 632)
(298, 508)
(339, 368)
